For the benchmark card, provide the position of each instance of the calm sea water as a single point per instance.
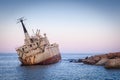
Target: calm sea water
(10, 69)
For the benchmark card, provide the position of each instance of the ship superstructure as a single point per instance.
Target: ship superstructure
(37, 49)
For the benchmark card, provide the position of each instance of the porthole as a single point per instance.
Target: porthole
(30, 45)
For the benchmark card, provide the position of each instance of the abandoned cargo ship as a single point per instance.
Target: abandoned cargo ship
(37, 49)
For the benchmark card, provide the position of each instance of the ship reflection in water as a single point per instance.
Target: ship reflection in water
(10, 69)
(37, 49)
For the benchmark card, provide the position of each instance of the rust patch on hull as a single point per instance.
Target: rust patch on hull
(51, 60)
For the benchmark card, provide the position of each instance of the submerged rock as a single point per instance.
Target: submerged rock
(80, 60)
(75, 60)
(72, 60)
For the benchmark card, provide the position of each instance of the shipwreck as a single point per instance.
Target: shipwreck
(37, 49)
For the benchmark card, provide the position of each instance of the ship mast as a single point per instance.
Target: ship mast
(27, 37)
(24, 28)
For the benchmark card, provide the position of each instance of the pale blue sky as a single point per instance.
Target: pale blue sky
(78, 26)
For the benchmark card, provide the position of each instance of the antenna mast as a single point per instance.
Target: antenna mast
(20, 20)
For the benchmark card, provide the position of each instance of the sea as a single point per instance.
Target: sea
(11, 69)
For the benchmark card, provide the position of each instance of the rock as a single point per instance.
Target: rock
(110, 60)
(113, 63)
(91, 60)
(88, 61)
(80, 60)
(96, 58)
(86, 57)
(113, 55)
(103, 56)
(102, 61)
(75, 60)
(72, 60)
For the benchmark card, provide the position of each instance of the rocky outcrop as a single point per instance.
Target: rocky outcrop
(113, 63)
(102, 61)
(91, 60)
(110, 60)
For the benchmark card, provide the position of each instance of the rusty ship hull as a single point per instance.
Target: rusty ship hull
(37, 49)
(51, 55)
(51, 60)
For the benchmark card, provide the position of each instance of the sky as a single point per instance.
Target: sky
(78, 26)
